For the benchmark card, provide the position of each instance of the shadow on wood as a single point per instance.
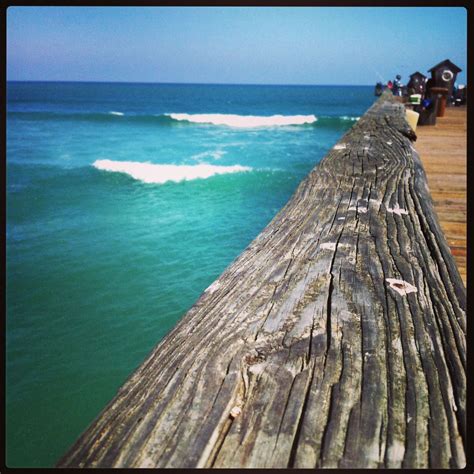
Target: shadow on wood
(336, 339)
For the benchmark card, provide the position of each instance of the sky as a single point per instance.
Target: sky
(238, 45)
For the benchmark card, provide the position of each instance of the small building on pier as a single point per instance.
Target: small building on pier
(417, 84)
(444, 75)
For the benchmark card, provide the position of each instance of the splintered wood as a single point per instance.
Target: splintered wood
(336, 339)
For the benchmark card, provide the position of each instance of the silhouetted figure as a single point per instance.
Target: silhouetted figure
(397, 86)
(378, 89)
(460, 95)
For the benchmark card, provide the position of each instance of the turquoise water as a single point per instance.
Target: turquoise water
(102, 263)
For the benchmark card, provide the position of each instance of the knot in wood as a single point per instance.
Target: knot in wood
(235, 412)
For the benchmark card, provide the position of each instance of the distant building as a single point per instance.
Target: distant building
(444, 75)
(417, 83)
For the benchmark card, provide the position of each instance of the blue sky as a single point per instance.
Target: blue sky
(269, 45)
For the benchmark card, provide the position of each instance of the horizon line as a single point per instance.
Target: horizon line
(188, 83)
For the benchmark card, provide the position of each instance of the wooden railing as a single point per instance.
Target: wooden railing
(336, 339)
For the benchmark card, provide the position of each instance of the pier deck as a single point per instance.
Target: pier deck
(442, 149)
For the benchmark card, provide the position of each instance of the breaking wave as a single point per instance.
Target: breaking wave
(154, 173)
(245, 121)
(183, 119)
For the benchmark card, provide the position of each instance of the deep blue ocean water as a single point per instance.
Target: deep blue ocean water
(124, 202)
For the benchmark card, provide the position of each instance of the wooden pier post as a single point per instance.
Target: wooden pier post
(336, 339)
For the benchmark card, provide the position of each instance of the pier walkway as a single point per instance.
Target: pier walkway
(442, 149)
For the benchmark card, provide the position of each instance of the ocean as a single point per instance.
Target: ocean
(124, 203)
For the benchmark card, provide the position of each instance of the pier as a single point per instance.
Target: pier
(443, 152)
(336, 339)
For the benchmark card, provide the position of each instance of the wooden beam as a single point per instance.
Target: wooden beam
(336, 339)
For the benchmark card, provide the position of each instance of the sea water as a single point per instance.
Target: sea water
(124, 202)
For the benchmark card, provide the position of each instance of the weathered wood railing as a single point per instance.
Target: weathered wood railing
(336, 339)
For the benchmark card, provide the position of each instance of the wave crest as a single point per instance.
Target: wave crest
(245, 121)
(154, 173)
(175, 119)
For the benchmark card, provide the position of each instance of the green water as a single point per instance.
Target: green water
(100, 266)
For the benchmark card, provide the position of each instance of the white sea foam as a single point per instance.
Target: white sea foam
(245, 121)
(116, 113)
(153, 173)
(216, 155)
(352, 119)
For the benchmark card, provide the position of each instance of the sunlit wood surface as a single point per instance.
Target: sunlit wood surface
(443, 151)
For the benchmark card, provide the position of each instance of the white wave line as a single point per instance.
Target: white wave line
(156, 173)
(245, 121)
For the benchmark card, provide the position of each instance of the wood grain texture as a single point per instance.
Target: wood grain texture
(305, 353)
(443, 152)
